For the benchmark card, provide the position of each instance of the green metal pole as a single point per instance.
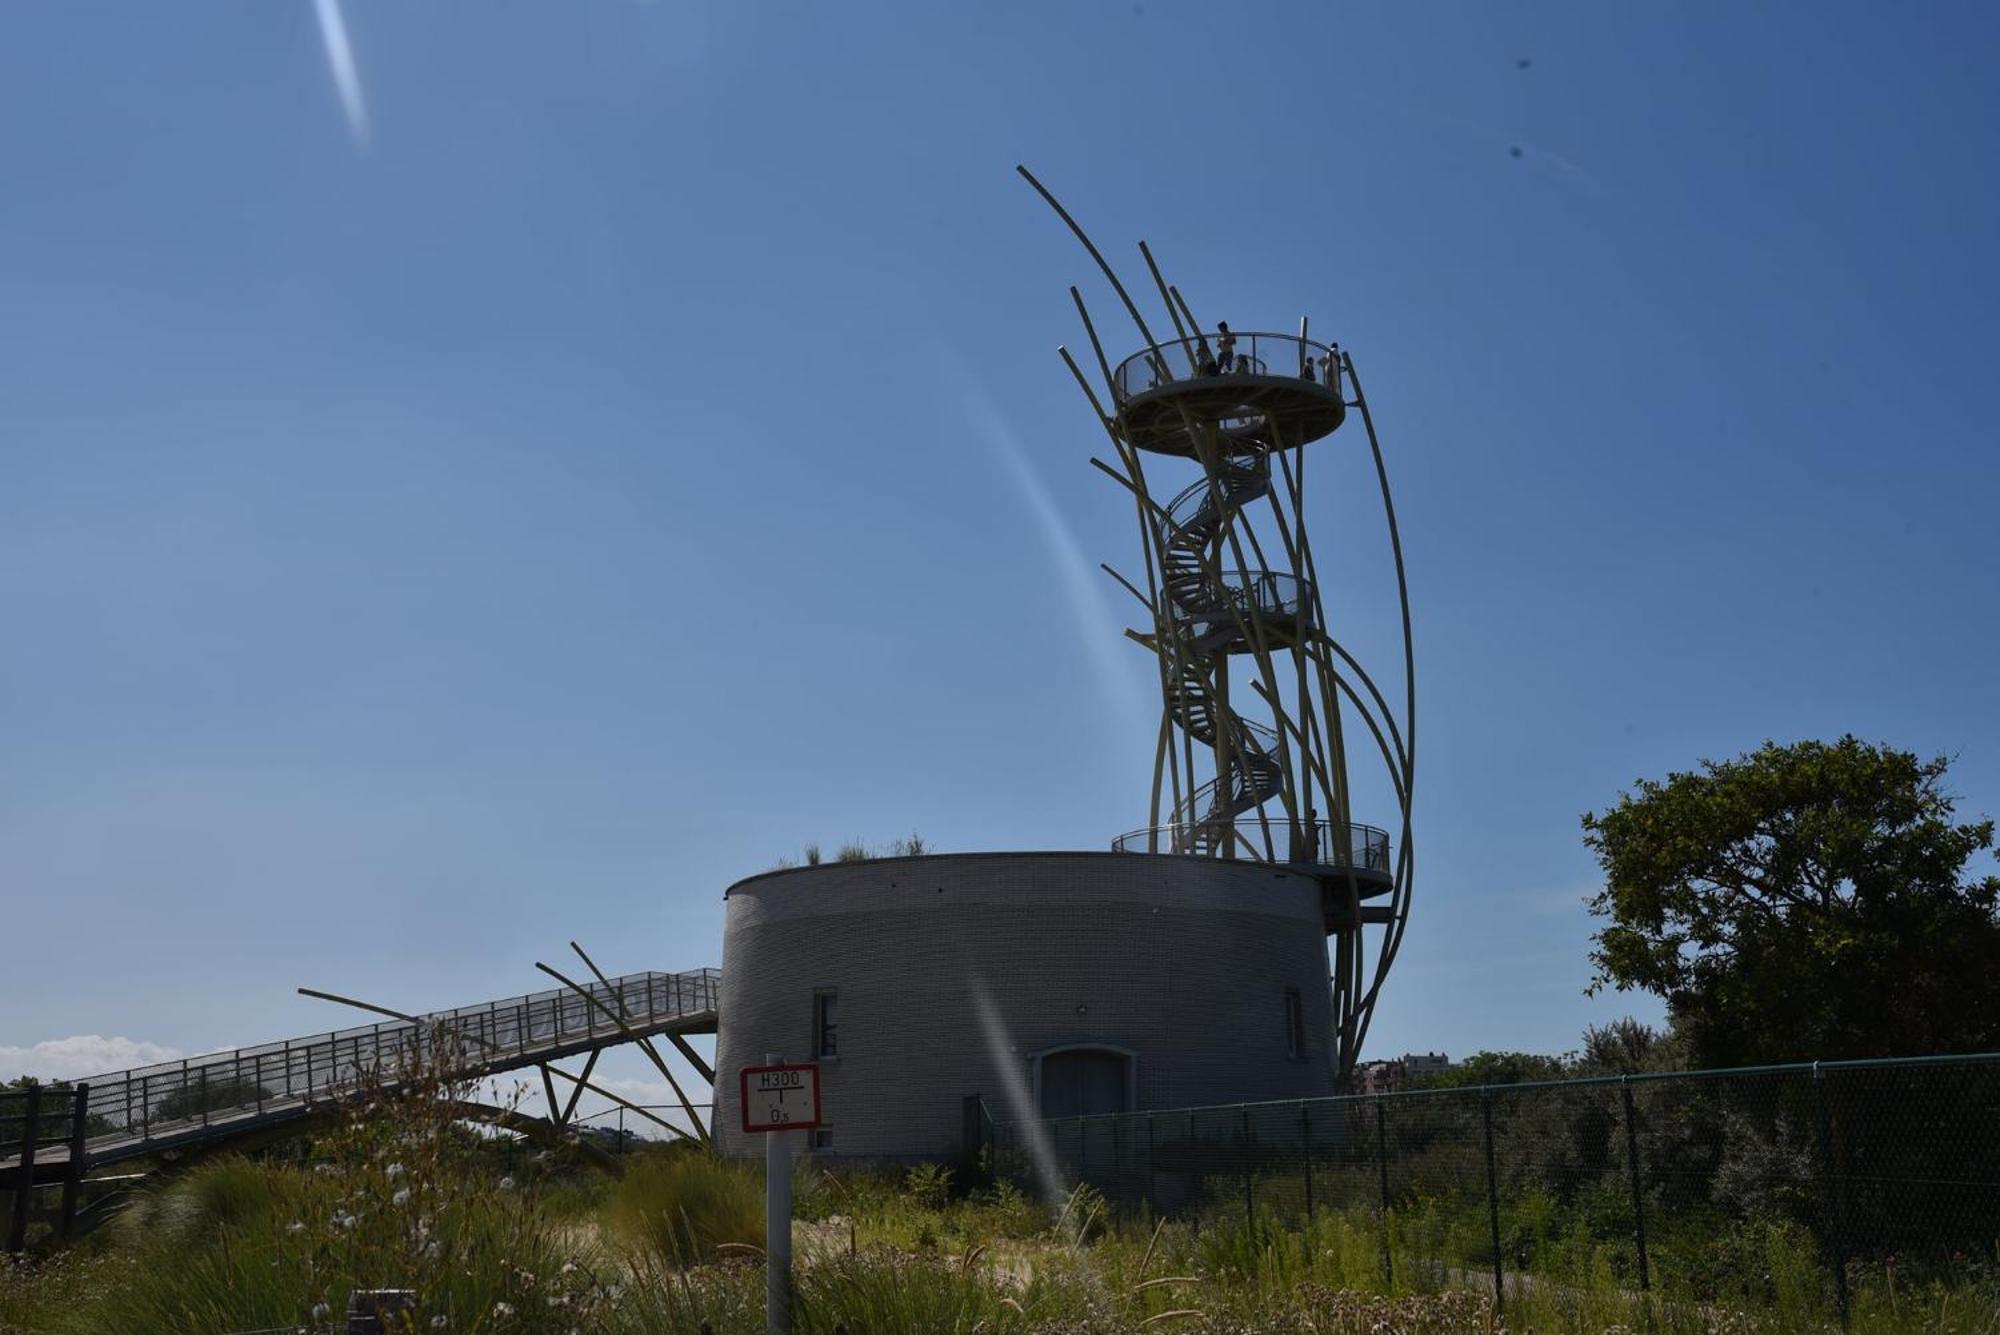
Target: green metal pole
(1829, 1170)
(1493, 1200)
(1638, 1198)
(1382, 1166)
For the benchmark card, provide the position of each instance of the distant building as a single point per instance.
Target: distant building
(1377, 1077)
(1409, 1071)
(1425, 1065)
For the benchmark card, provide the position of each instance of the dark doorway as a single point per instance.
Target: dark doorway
(1084, 1082)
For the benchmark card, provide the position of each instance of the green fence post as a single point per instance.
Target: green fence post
(1249, 1195)
(1829, 1170)
(79, 1123)
(1493, 1199)
(1382, 1167)
(1638, 1195)
(24, 1172)
(1306, 1146)
(1152, 1193)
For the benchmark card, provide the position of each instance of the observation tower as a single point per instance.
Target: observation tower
(1258, 695)
(1186, 966)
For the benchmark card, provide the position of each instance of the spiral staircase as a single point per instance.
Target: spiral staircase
(1211, 615)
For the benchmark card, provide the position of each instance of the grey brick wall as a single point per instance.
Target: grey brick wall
(1183, 960)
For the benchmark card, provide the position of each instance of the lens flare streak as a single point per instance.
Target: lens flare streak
(340, 64)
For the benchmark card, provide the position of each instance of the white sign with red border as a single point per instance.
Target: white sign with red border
(780, 1098)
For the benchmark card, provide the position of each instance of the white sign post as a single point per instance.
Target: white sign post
(777, 1099)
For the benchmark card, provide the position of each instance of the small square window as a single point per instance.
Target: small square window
(822, 1138)
(826, 1025)
(1295, 1025)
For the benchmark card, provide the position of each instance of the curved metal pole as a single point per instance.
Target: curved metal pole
(1110, 385)
(1395, 546)
(621, 1018)
(1148, 538)
(1166, 295)
(1404, 859)
(1095, 254)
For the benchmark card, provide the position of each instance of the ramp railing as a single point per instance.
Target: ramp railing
(176, 1101)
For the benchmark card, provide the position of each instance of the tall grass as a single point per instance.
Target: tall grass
(407, 1199)
(684, 1208)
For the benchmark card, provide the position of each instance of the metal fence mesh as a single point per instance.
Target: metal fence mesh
(1725, 1186)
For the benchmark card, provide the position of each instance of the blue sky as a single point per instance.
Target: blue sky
(624, 442)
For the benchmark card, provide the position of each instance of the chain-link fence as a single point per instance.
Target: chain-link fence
(1714, 1186)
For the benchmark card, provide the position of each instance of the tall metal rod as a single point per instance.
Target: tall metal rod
(1404, 856)
(645, 1044)
(700, 1132)
(1135, 482)
(1180, 330)
(1493, 1200)
(1103, 363)
(1638, 1195)
(1095, 254)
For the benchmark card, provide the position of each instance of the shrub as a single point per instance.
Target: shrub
(682, 1207)
(929, 1185)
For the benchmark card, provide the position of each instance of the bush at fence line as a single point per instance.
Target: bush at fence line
(929, 1185)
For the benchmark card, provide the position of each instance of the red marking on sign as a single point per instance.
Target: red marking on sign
(779, 1098)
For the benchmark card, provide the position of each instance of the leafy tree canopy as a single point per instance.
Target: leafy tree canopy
(1498, 1068)
(1801, 902)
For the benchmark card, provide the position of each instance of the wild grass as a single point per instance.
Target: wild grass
(497, 1241)
(683, 1207)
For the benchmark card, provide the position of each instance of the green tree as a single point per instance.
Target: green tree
(1799, 902)
(56, 1110)
(1496, 1068)
(1627, 1047)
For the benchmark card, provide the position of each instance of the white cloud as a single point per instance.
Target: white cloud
(81, 1055)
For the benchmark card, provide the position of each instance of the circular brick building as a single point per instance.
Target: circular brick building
(1046, 984)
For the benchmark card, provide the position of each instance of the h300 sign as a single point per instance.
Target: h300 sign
(780, 1098)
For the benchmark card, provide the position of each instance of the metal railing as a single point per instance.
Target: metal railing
(169, 1100)
(611, 1123)
(1321, 843)
(1262, 594)
(1837, 1178)
(1199, 357)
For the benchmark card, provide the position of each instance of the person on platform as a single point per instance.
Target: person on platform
(1225, 355)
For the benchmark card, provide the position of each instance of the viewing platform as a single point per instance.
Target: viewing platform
(1329, 848)
(1273, 390)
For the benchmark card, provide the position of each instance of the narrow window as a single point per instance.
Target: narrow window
(1295, 1025)
(826, 1026)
